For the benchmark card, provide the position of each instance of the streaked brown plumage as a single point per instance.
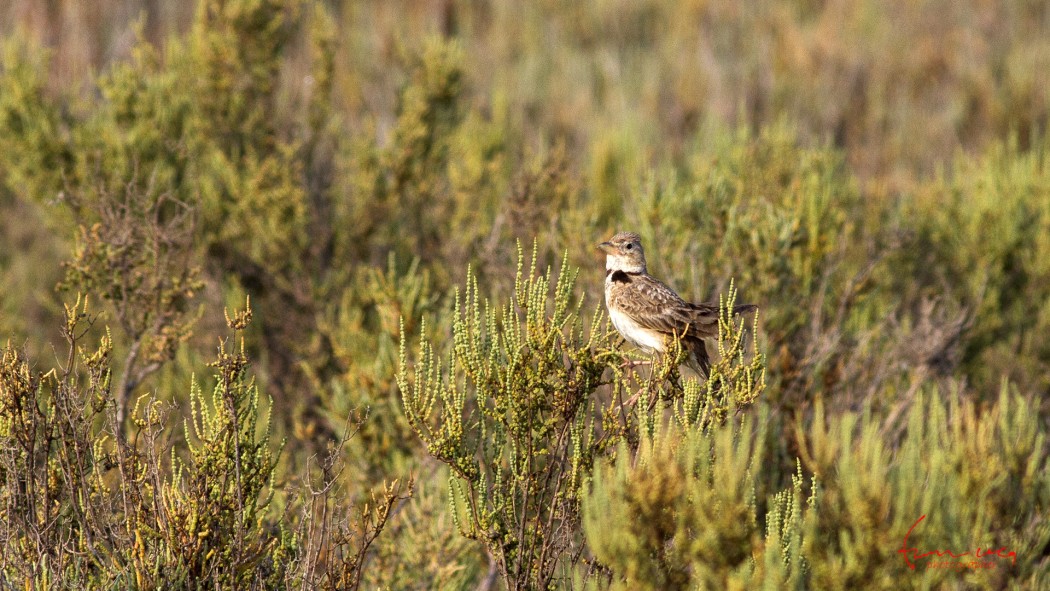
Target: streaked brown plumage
(646, 312)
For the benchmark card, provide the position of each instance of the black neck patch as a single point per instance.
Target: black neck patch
(619, 276)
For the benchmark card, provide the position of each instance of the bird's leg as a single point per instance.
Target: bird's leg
(676, 380)
(633, 363)
(676, 384)
(633, 399)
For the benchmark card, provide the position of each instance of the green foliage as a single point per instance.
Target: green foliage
(87, 509)
(51, 468)
(177, 167)
(778, 218)
(439, 177)
(363, 329)
(871, 179)
(424, 549)
(987, 227)
(681, 513)
(136, 258)
(684, 511)
(517, 414)
(961, 466)
(735, 379)
(510, 413)
(34, 138)
(334, 540)
(226, 480)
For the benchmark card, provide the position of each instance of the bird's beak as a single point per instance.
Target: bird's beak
(606, 247)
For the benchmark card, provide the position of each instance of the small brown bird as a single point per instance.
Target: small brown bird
(646, 312)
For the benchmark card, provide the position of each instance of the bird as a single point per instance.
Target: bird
(646, 312)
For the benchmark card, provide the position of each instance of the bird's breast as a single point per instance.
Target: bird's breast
(638, 335)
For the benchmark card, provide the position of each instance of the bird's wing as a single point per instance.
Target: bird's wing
(654, 306)
(657, 307)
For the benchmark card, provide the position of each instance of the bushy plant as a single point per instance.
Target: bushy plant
(529, 400)
(870, 178)
(682, 513)
(511, 414)
(986, 226)
(961, 466)
(86, 508)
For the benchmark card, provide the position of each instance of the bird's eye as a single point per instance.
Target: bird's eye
(629, 246)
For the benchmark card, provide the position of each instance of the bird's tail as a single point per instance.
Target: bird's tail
(698, 359)
(744, 308)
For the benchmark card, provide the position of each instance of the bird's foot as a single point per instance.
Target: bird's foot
(633, 399)
(633, 363)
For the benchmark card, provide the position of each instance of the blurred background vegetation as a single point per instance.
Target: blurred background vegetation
(874, 175)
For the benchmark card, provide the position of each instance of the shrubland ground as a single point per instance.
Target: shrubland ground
(413, 385)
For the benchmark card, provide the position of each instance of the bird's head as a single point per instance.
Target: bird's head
(623, 252)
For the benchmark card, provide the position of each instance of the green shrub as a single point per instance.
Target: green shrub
(529, 400)
(519, 432)
(876, 184)
(981, 233)
(681, 513)
(86, 508)
(961, 466)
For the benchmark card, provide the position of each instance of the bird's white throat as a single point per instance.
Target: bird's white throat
(621, 263)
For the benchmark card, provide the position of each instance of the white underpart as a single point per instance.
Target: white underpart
(636, 334)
